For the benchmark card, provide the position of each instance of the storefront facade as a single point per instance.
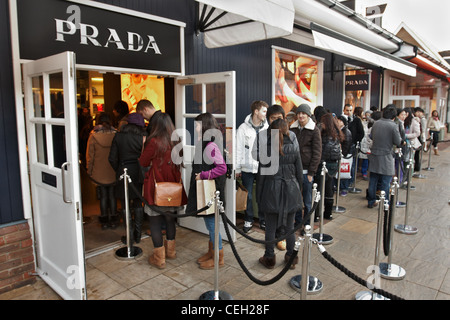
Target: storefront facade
(105, 36)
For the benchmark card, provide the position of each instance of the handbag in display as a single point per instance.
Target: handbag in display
(241, 197)
(206, 190)
(168, 194)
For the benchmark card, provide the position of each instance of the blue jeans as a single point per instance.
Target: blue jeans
(247, 181)
(364, 166)
(307, 198)
(384, 183)
(210, 223)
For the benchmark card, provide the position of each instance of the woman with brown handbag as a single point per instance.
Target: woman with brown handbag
(157, 154)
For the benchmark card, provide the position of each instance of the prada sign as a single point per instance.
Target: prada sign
(99, 34)
(357, 82)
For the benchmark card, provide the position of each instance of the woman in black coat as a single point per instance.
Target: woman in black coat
(279, 194)
(125, 151)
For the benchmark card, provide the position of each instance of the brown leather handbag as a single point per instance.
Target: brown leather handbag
(168, 194)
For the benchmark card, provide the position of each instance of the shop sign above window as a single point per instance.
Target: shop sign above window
(357, 82)
(99, 34)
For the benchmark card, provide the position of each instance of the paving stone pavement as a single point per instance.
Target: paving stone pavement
(425, 256)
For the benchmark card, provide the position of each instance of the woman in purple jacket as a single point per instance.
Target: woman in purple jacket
(209, 164)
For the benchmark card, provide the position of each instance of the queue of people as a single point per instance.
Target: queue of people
(272, 154)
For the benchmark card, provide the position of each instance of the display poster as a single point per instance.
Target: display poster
(357, 88)
(136, 87)
(296, 79)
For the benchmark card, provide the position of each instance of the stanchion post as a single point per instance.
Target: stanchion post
(314, 193)
(369, 295)
(304, 283)
(405, 228)
(399, 204)
(130, 251)
(389, 270)
(353, 189)
(322, 237)
(336, 208)
(216, 294)
(429, 154)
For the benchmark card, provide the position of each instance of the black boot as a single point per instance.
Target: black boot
(327, 214)
(138, 220)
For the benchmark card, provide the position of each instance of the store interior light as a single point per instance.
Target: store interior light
(97, 79)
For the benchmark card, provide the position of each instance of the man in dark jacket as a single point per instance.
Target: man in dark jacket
(148, 111)
(310, 142)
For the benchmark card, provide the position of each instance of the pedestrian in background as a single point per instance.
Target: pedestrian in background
(435, 125)
(100, 170)
(246, 166)
(310, 144)
(385, 136)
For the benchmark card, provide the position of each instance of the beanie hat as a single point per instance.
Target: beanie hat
(137, 119)
(304, 108)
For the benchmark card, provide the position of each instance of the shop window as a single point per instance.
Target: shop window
(396, 87)
(56, 95)
(357, 87)
(38, 97)
(297, 79)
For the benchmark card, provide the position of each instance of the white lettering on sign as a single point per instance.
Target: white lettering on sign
(89, 35)
(355, 82)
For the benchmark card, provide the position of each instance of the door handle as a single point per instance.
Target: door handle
(63, 166)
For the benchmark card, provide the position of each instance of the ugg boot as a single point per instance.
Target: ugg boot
(436, 152)
(158, 258)
(209, 264)
(288, 257)
(171, 253)
(207, 255)
(268, 262)
(138, 219)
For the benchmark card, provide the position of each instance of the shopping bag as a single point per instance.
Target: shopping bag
(206, 190)
(241, 197)
(346, 168)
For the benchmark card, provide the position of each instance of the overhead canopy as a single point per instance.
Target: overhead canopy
(230, 22)
(426, 64)
(332, 41)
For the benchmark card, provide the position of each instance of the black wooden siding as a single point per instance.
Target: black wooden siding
(252, 63)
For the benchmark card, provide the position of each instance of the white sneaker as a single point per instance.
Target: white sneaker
(247, 226)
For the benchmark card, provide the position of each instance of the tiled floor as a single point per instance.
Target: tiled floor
(425, 256)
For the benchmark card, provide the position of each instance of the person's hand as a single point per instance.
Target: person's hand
(197, 176)
(310, 178)
(238, 175)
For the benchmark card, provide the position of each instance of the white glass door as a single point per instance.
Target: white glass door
(405, 101)
(214, 93)
(51, 121)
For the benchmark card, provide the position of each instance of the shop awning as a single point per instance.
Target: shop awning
(230, 22)
(338, 43)
(426, 64)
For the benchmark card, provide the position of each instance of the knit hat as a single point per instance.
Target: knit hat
(137, 119)
(304, 108)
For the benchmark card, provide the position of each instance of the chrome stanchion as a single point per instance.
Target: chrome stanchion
(429, 154)
(322, 237)
(216, 294)
(353, 189)
(369, 295)
(130, 251)
(407, 184)
(337, 208)
(399, 204)
(405, 228)
(314, 194)
(389, 270)
(419, 175)
(307, 284)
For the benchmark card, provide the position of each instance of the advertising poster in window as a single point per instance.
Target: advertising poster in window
(296, 80)
(357, 88)
(136, 87)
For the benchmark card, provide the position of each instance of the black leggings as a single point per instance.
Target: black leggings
(435, 138)
(156, 223)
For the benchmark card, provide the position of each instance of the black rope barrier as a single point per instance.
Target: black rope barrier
(284, 236)
(359, 280)
(387, 226)
(244, 268)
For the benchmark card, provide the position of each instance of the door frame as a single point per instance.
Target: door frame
(230, 122)
(403, 98)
